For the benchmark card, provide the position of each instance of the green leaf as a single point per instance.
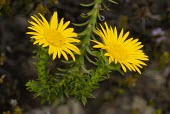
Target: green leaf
(67, 62)
(93, 37)
(82, 24)
(91, 12)
(120, 71)
(83, 32)
(84, 70)
(88, 5)
(59, 74)
(112, 1)
(84, 100)
(101, 17)
(90, 60)
(62, 70)
(83, 15)
(115, 67)
(94, 53)
(66, 93)
(89, 50)
(91, 96)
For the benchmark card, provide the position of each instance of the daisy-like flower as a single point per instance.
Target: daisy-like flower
(55, 35)
(121, 50)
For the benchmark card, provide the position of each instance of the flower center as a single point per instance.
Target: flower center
(54, 37)
(119, 52)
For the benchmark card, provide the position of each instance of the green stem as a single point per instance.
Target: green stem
(42, 61)
(90, 27)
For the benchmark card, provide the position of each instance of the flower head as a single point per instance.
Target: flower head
(121, 50)
(55, 35)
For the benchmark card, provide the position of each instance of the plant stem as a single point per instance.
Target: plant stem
(90, 27)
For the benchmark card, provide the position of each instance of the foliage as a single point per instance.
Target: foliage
(78, 80)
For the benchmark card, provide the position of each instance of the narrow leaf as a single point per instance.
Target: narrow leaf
(87, 5)
(83, 15)
(83, 32)
(62, 70)
(112, 1)
(82, 24)
(67, 62)
(90, 60)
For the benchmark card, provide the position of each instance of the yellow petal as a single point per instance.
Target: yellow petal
(45, 45)
(69, 52)
(71, 35)
(64, 54)
(73, 40)
(59, 52)
(115, 61)
(121, 34)
(115, 33)
(123, 67)
(65, 25)
(50, 50)
(54, 54)
(103, 31)
(124, 37)
(68, 31)
(44, 21)
(37, 21)
(73, 48)
(37, 37)
(60, 25)
(137, 69)
(40, 31)
(54, 21)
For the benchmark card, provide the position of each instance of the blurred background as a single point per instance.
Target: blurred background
(149, 93)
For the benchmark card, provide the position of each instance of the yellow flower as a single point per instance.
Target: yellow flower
(55, 35)
(127, 52)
